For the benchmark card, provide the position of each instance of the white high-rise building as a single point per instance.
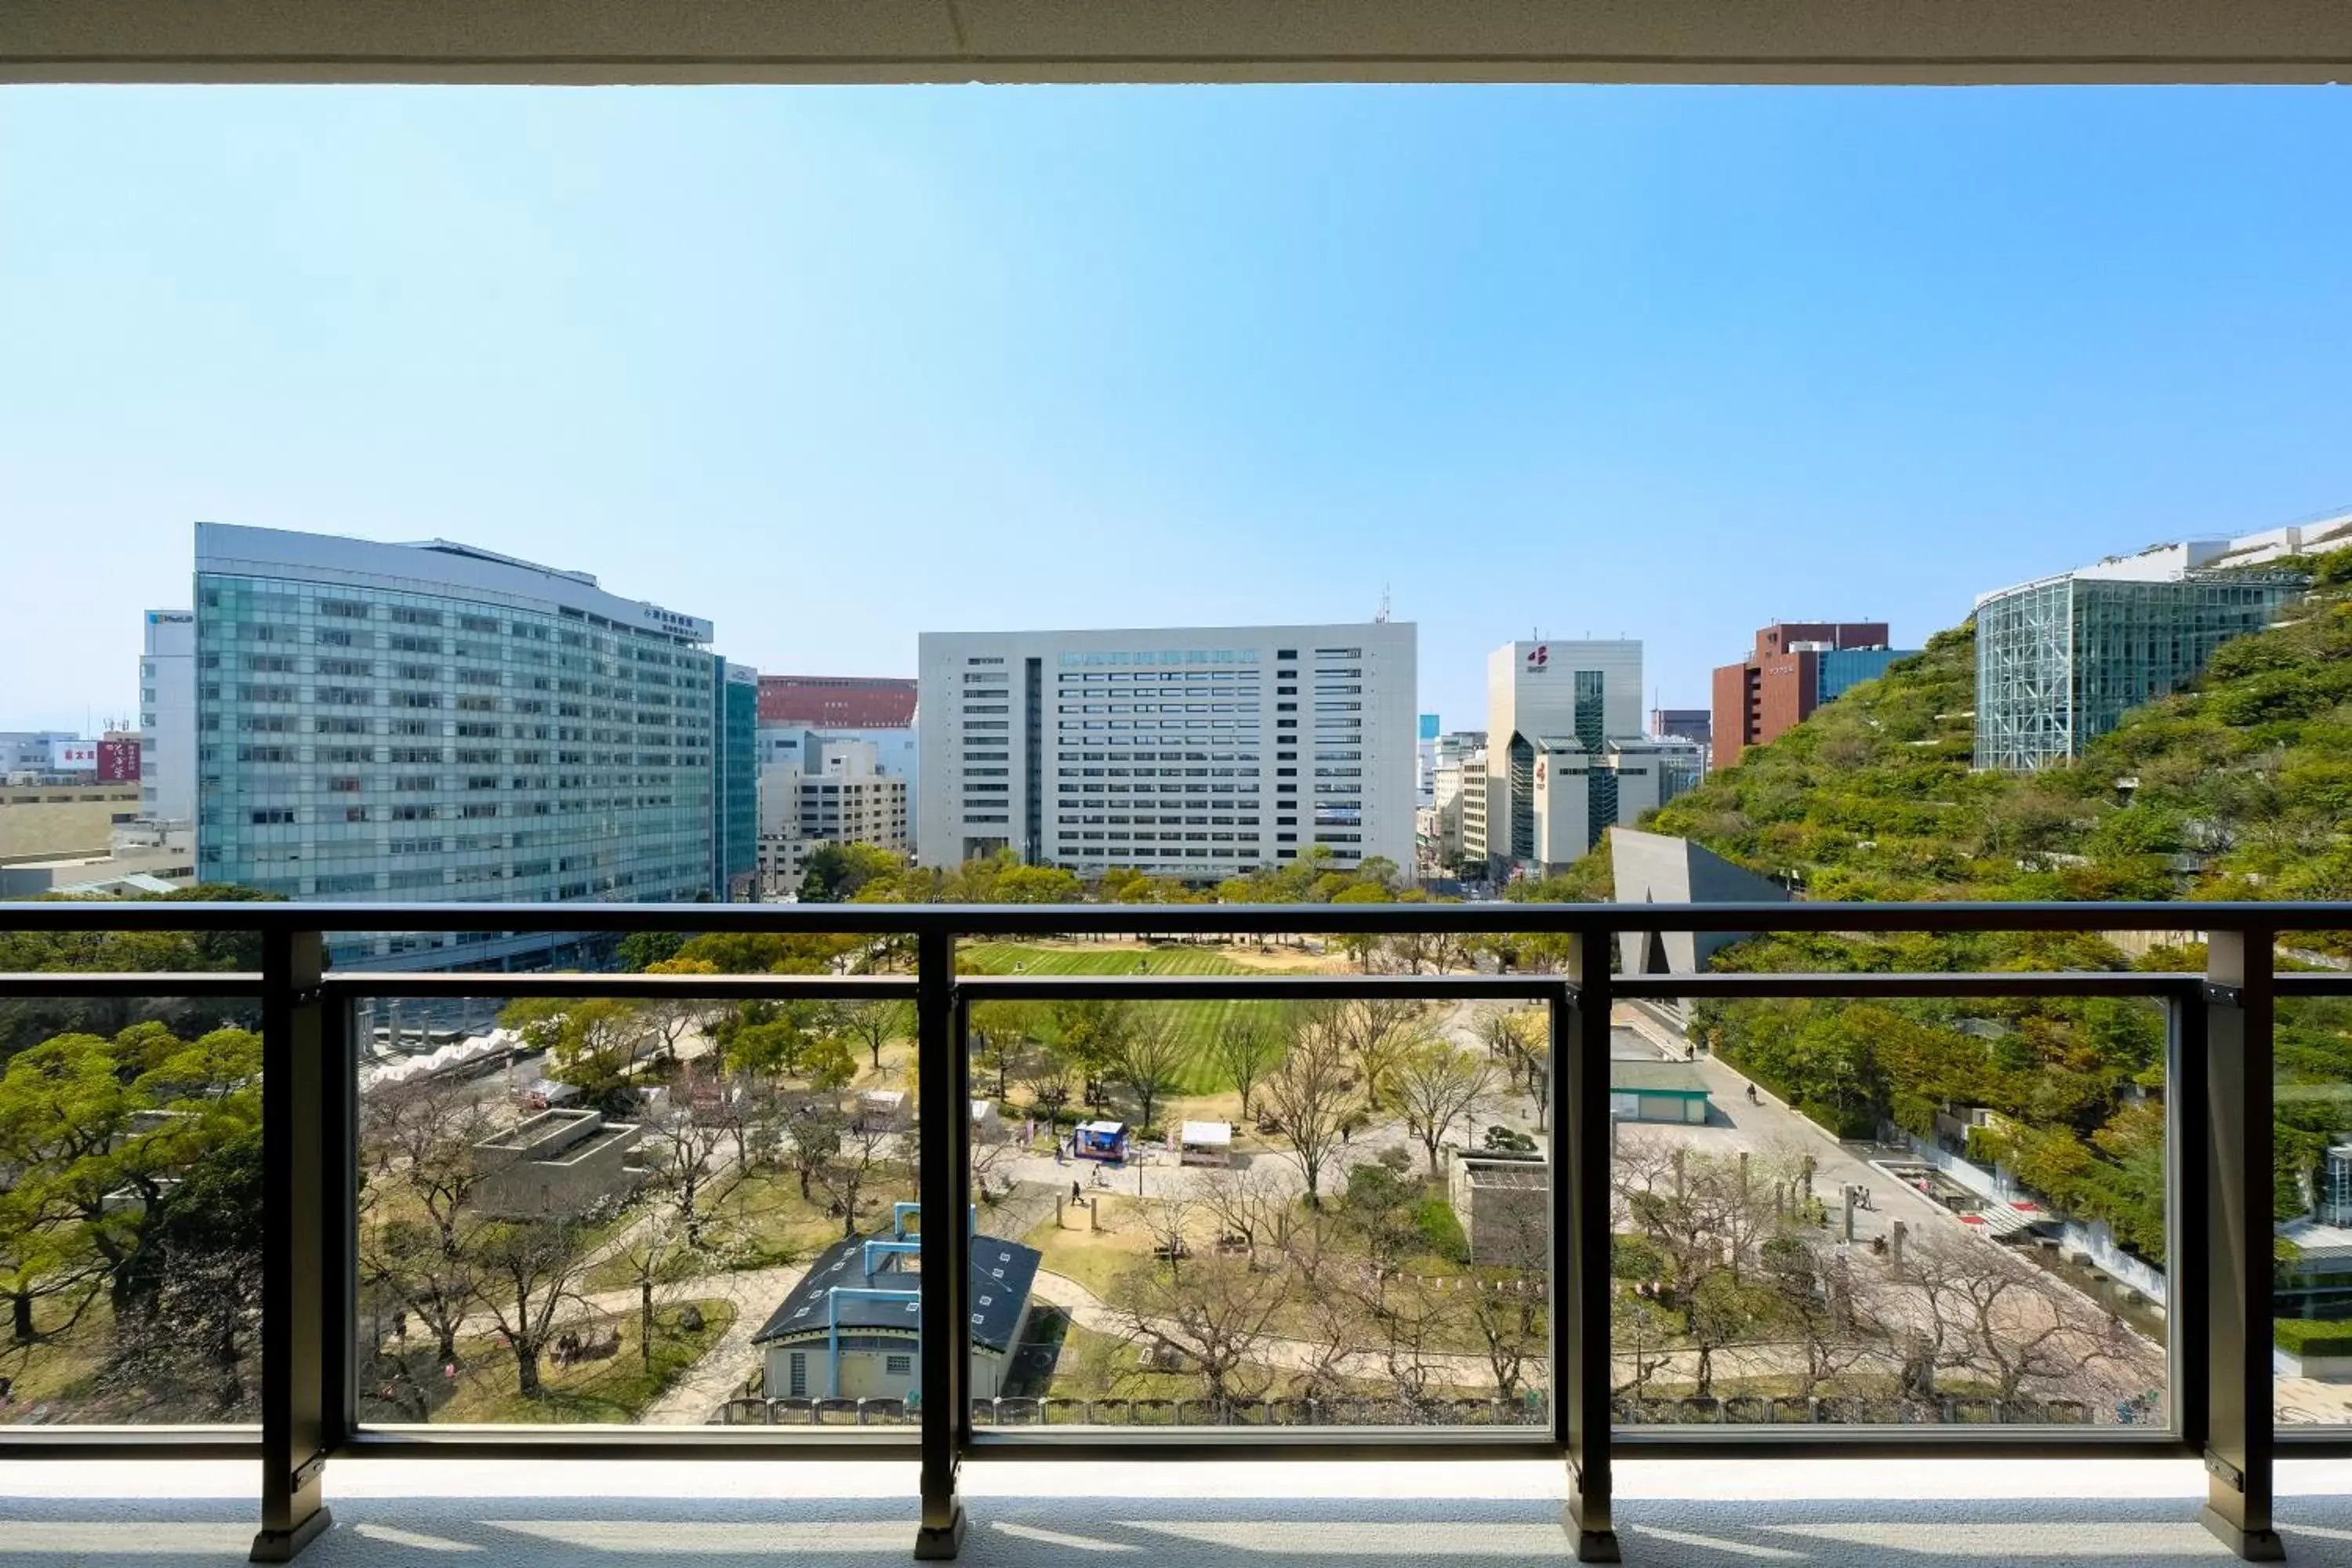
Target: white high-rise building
(850, 800)
(1563, 722)
(1198, 751)
(167, 718)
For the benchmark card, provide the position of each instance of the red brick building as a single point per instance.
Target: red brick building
(837, 701)
(1777, 686)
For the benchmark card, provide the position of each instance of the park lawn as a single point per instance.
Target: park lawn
(1201, 1019)
(1096, 1260)
(763, 1219)
(59, 1371)
(616, 1389)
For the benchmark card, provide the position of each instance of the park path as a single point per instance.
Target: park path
(711, 1381)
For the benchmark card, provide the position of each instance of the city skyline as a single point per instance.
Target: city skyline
(1668, 363)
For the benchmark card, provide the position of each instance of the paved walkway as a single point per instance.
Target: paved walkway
(718, 1376)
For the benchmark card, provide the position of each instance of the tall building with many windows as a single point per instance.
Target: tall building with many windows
(735, 814)
(2062, 659)
(1565, 759)
(435, 722)
(1197, 753)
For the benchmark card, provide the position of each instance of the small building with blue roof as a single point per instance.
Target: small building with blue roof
(852, 1328)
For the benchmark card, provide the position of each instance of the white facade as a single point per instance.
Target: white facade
(1198, 753)
(851, 802)
(167, 717)
(1471, 779)
(1553, 710)
(897, 753)
(1459, 764)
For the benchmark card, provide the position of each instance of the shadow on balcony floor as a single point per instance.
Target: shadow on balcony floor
(622, 1533)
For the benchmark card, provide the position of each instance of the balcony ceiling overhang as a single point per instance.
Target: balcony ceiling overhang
(815, 41)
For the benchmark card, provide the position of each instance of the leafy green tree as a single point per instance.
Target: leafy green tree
(641, 950)
(188, 1302)
(596, 1045)
(837, 872)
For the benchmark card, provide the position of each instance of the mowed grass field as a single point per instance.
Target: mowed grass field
(1200, 1019)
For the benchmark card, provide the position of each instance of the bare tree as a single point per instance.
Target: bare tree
(1523, 1049)
(1641, 1330)
(1310, 1094)
(1251, 1202)
(1821, 1302)
(861, 1155)
(812, 1129)
(1377, 1031)
(1973, 1310)
(672, 1019)
(418, 1140)
(684, 1151)
(875, 1025)
(1438, 952)
(1436, 1085)
(527, 1270)
(659, 1256)
(1215, 1316)
(1245, 1047)
(1169, 1219)
(1044, 1075)
(1152, 1053)
(987, 1160)
(1331, 1309)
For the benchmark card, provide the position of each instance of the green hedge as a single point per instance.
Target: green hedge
(1441, 1231)
(2305, 1336)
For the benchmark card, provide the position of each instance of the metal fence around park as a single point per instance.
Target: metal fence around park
(2219, 1144)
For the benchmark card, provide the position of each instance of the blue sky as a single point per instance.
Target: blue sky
(833, 366)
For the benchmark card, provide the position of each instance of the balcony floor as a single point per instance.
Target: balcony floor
(636, 1515)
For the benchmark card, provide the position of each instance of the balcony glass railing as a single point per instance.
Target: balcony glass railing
(1456, 1190)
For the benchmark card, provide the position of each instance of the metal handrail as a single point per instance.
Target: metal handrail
(1012, 920)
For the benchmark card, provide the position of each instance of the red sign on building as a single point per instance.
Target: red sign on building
(118, 762)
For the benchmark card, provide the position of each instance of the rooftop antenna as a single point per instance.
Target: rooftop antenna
(1380, 617)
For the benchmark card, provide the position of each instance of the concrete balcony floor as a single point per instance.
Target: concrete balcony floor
(598, 1514)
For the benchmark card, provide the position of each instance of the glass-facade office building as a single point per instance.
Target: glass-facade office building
(437, 723)
(2059, 662)
(735, 816)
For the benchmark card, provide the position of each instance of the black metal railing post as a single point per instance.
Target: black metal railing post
(301, 1108)
(946, 1251)
(2240, 1008)
(1580, 1218)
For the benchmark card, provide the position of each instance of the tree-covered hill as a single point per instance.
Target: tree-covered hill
(2240, 787)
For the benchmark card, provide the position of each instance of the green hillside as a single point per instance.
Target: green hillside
(2238, 788)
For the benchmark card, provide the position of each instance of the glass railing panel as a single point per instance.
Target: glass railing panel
(614, 1208)
(1943, 1212)
(1315, 1215)
(131, 1200)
